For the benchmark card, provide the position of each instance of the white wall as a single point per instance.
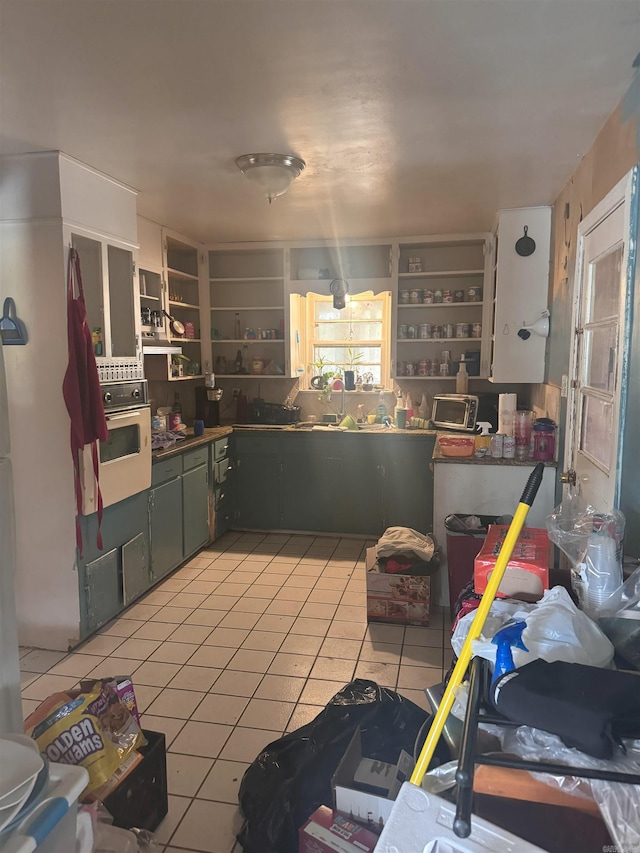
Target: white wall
(32, 270)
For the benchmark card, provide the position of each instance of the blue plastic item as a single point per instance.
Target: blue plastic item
(508, 637)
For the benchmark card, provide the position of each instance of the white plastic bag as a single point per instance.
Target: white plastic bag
(618, 802)
(556, 630)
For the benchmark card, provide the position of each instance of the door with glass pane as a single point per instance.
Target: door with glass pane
(598, 353)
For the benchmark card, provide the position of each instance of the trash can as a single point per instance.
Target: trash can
(465, 535)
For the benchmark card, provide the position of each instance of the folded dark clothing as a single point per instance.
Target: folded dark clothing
(589, 708)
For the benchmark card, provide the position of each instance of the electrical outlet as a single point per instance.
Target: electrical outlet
(235, 394)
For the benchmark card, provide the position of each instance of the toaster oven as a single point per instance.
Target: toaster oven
(455, 411)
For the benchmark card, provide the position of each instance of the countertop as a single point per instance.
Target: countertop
(218, 432)
(191, 441)
(485, 460)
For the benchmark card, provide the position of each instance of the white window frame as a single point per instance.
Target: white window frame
(384, 343)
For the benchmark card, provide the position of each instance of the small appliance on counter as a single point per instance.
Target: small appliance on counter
(461, 412)
(208, 405)
(273, 413)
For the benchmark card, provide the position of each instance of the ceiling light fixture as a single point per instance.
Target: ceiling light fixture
(272, 174)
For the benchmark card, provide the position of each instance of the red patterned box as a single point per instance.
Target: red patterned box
(327, 831)
(527, 573)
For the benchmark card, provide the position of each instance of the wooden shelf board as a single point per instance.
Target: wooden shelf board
(436, 340)
(440, 274)
(239, 309)
(148, 296)
(440, 305)
(187, 276)
(189, 305)
(247, 341)
(246, 279)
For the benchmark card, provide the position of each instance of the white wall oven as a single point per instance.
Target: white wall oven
(124, 460)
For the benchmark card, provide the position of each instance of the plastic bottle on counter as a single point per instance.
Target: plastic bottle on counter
(409, 407)
(381, 410)
(175, 415)
(423, 411)
(462, 378)
(482, 441)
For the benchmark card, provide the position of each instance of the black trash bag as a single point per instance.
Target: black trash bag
(291, 778)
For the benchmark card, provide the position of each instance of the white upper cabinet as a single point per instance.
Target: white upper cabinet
(150, 240)
(521, 294)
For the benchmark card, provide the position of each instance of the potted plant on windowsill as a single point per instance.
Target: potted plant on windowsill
(324, 374)
(353, 358)
(367, 381)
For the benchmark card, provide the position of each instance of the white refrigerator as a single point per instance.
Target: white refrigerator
(10, 703)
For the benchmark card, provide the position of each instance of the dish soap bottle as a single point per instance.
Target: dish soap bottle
(462, 378)
(423, 411)
(381, 410)
(483, 441)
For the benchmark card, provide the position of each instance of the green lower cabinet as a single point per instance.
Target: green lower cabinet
(195, 509)
(165, 517)
(110, 577)
(307, 491)
(408, 483)
(257, 492)
(358, 501)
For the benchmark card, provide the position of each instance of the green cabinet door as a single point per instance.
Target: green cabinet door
(195, 509)
(408, 483)
(307, 484)
(257, 492)
(165, 511)
(358, 501)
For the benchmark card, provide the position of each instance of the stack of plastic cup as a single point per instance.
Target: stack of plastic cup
(522, 433)
(602, 570)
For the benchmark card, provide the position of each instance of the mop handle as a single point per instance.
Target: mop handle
(437, 724)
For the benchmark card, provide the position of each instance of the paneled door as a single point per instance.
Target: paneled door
(599, 356)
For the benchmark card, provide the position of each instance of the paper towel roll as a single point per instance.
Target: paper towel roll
(507, 405)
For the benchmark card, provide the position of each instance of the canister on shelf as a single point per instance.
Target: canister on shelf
(474, 294)
(476, 330)
(412, 331)
(448, 330)
(445, 355)
(401, 369)
(458, 295)
(509, 447)
(497, 445)
(438, 296)
(410, 369)
(403, 297)
(447, 295)
(462, 330)
(424, 330)
(415, 265)
(445, 368)
(427, 297)
(423, 367)
(415, 297)
(436, 331)
(403, 331)
(433, 367)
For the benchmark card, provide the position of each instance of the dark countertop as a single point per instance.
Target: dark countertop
(212, 434)
(191, 441)
(484, 460)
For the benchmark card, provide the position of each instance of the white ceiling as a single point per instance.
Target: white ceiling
(413, 116)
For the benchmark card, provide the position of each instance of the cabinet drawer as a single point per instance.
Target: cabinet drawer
(221, 470)
(257, 443)
(195, 457)
(221, 448)
(221, 498)
(166, 470)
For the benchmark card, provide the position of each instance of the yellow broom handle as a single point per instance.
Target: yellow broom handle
(437, 724)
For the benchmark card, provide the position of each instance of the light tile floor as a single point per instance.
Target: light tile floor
(246, 641)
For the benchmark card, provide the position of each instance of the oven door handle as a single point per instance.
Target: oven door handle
(134, 414)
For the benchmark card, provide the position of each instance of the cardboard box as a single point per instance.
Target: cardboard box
(325, 832)
(527, 572)
(396, 598)
(365, 789)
